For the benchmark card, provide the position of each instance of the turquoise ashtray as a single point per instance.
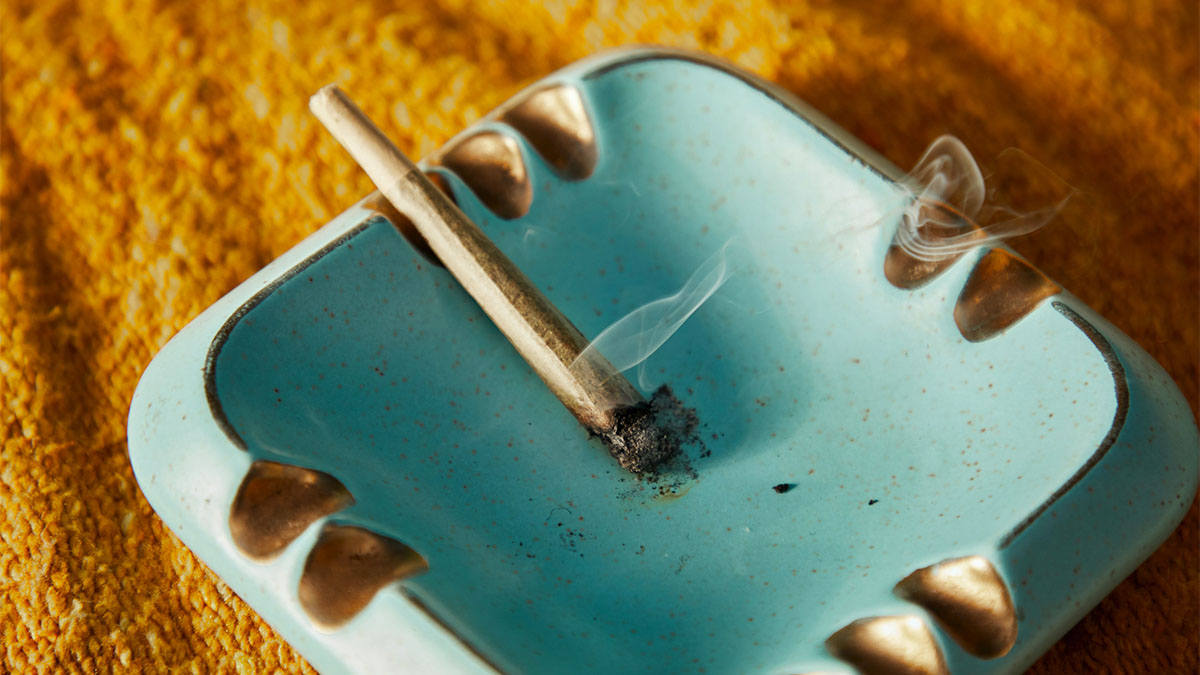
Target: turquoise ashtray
(900, 467)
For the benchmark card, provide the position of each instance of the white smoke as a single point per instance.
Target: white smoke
(952, 201)
(630, 340)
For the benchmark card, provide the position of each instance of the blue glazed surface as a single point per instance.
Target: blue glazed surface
(906, 444)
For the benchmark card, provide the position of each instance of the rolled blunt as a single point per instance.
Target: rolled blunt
(598, 396)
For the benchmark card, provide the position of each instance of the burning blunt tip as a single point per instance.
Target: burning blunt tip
(637, 441)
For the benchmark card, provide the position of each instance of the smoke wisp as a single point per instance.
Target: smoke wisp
(955, 206)
(630, 340)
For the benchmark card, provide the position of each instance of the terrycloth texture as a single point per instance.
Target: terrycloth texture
(155, 153)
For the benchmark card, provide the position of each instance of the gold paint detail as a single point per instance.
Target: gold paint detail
(276, 502)
(969, 600)
(889, 645)
(904, 270)
(1000, 291)
(491, 164)
(345, 569)
(555, 122)
(379, 204)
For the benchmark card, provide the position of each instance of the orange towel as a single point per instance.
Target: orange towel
(156, 152)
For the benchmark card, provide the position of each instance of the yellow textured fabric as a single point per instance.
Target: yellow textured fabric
(157, 152)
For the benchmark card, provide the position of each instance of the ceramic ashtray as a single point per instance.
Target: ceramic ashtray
(879, 461)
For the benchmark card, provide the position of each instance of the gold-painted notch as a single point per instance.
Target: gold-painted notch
(907, 271)
(345, 569)
(1001, 290)
(889, 645)
(969, 600)
(491, 164)
(555, 122)
(276, 502)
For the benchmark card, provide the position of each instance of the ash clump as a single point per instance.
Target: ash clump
(647, 435)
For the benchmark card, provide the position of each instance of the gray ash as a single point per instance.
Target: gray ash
(647, 435)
